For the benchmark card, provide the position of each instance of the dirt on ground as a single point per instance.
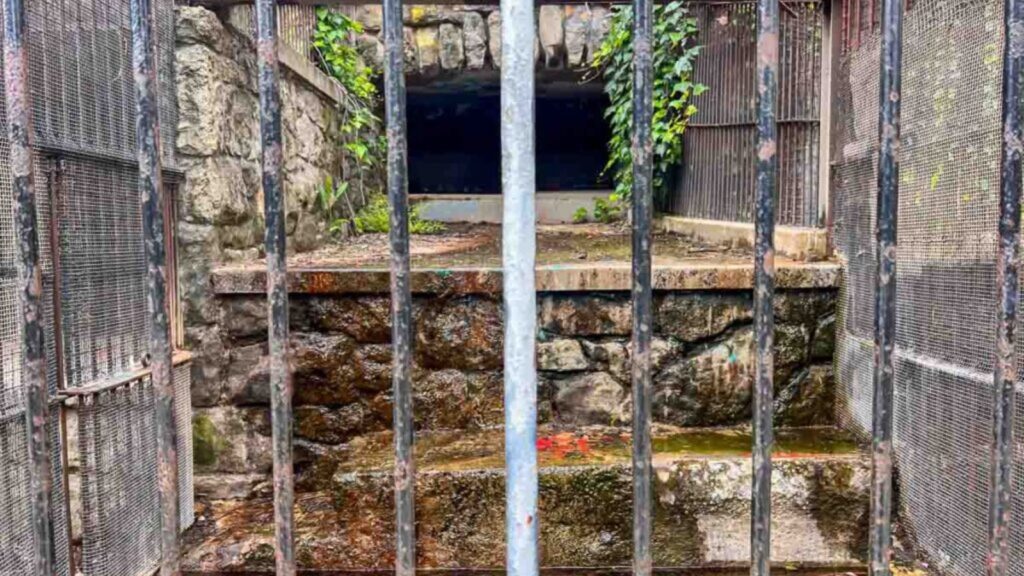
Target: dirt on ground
(479, 245)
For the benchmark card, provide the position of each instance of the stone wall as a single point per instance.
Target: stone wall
(703, 368)
(450, 39)
(220, 204)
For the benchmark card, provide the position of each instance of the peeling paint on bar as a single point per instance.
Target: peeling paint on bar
(1007, 271)
(147, 129)
(643, 320)
(401, 289)
(33, 352)
(880, 528)
(764, 284)
(277, 286)
(518, 185)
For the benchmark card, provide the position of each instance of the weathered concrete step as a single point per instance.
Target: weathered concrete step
(702, 492)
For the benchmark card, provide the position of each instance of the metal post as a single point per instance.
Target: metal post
(880, 532)
(518, 184)
(33, 351)
(277, 285)
(643, 174)
(401, 294)
(764, 284)
(1007, 282)
(152, 194)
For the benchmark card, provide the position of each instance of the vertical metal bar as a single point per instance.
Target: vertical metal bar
(889, 96)
(33, 350)
(518, 183)
(277, 285)
(401, 293)
(643, 176)
(147, 144)
(1007, 271)
(764, 282)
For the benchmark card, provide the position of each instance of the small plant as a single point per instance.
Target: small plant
(579, 216)
(674, 89)
(608, 210)
(375, 217)
(339, 57)
(329, 197)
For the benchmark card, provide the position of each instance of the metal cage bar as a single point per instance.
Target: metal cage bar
(401, 292)
(767, 167)
(151, 192)
(518, 184)
(30, 288)
(1007, 270)
(277, 285)
(643, 175)
(889, 95)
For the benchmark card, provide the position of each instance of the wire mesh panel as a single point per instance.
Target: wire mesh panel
(103, 271)
(80, 71)
(295, 25)
(717, 178)
(949, 187)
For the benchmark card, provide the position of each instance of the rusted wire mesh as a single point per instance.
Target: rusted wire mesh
(949, 186)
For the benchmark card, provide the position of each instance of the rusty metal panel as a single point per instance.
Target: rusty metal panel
(717, 177)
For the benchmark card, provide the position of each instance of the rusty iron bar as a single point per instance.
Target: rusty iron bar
(643, 198)
(767, 167)
(277, 285)
(889, 95)
(33, 350)
(401, 290)
(518, 184)
(1007, 270)
(151, 192)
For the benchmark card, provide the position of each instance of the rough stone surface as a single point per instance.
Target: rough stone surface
(702, 513)
(561, 356)
(453, 55)
(463, 333)
(551, 34)
(474, 32)
(428, 50)
(592, 398)
(494, 37)
(577, 29)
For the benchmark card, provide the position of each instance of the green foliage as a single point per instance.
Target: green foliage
(579, 216)
(338, 56)
(376, 217)
(607, 211)
(674, 55)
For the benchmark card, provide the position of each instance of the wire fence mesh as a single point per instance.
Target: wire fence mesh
(717, 178)
(949, 186)
(92, 264)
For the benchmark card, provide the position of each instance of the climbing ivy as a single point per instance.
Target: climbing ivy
(674, 89)
(333, 40)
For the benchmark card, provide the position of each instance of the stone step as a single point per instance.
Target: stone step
(702, 503)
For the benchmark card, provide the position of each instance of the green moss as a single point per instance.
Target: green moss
(206, 442)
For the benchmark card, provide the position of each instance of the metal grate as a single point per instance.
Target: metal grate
(949, 186)
(80, 71)
(295, 26)
(120, 511)
(717, 179)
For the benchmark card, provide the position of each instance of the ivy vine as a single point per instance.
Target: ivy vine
(674, 53)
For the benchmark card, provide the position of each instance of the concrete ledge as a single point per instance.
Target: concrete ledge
(551, 207)
(602, 277)
(800, 243)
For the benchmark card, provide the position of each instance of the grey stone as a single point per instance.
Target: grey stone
(585, 315)
(371, 49)
(823, 344)
(577, 29)
(692, 317)
(612, 357)
(458, 400)
(410, 57)
(551, 35)
(600, 22)
(452, 54)
(248, 376)
(474, 34)
(591, 398)
(427, 50)
(494, 38)
(231, 440)
(808, 399)
(226, 486)
(561, 356)
(332, 425)
(371, 16)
